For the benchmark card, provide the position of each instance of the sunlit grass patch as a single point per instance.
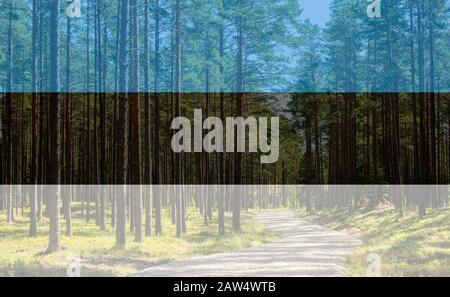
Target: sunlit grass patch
(408, 245)
(21, 255)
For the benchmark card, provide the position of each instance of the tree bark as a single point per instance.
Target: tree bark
(147, 128)
(121, 177)
(54, 244)
(238, 113)
(135, 122)
(33, 160)
(157, 126)
(68, 141)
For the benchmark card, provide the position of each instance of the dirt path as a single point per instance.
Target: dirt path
(304, 249)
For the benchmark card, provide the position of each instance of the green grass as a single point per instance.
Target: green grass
(408, 246)
(21, 255)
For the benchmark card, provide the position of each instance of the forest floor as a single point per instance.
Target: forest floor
(21, 255)
(407, 246)
(304, 249)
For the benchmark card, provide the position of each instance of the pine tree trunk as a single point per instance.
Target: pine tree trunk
(68, 141)
(55, 133)
(88, 146)
(222, 181)
(238, 113)
(147, 129)
(177, 113)
(33, 160)
(157, 127)
(8, 124)
(135, 122)
(121, 177)
(102, 167)
(432, 107)
(416, 160)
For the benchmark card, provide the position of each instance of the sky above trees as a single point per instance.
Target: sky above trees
(317, 11)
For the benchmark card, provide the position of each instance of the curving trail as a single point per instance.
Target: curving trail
(304, 249)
